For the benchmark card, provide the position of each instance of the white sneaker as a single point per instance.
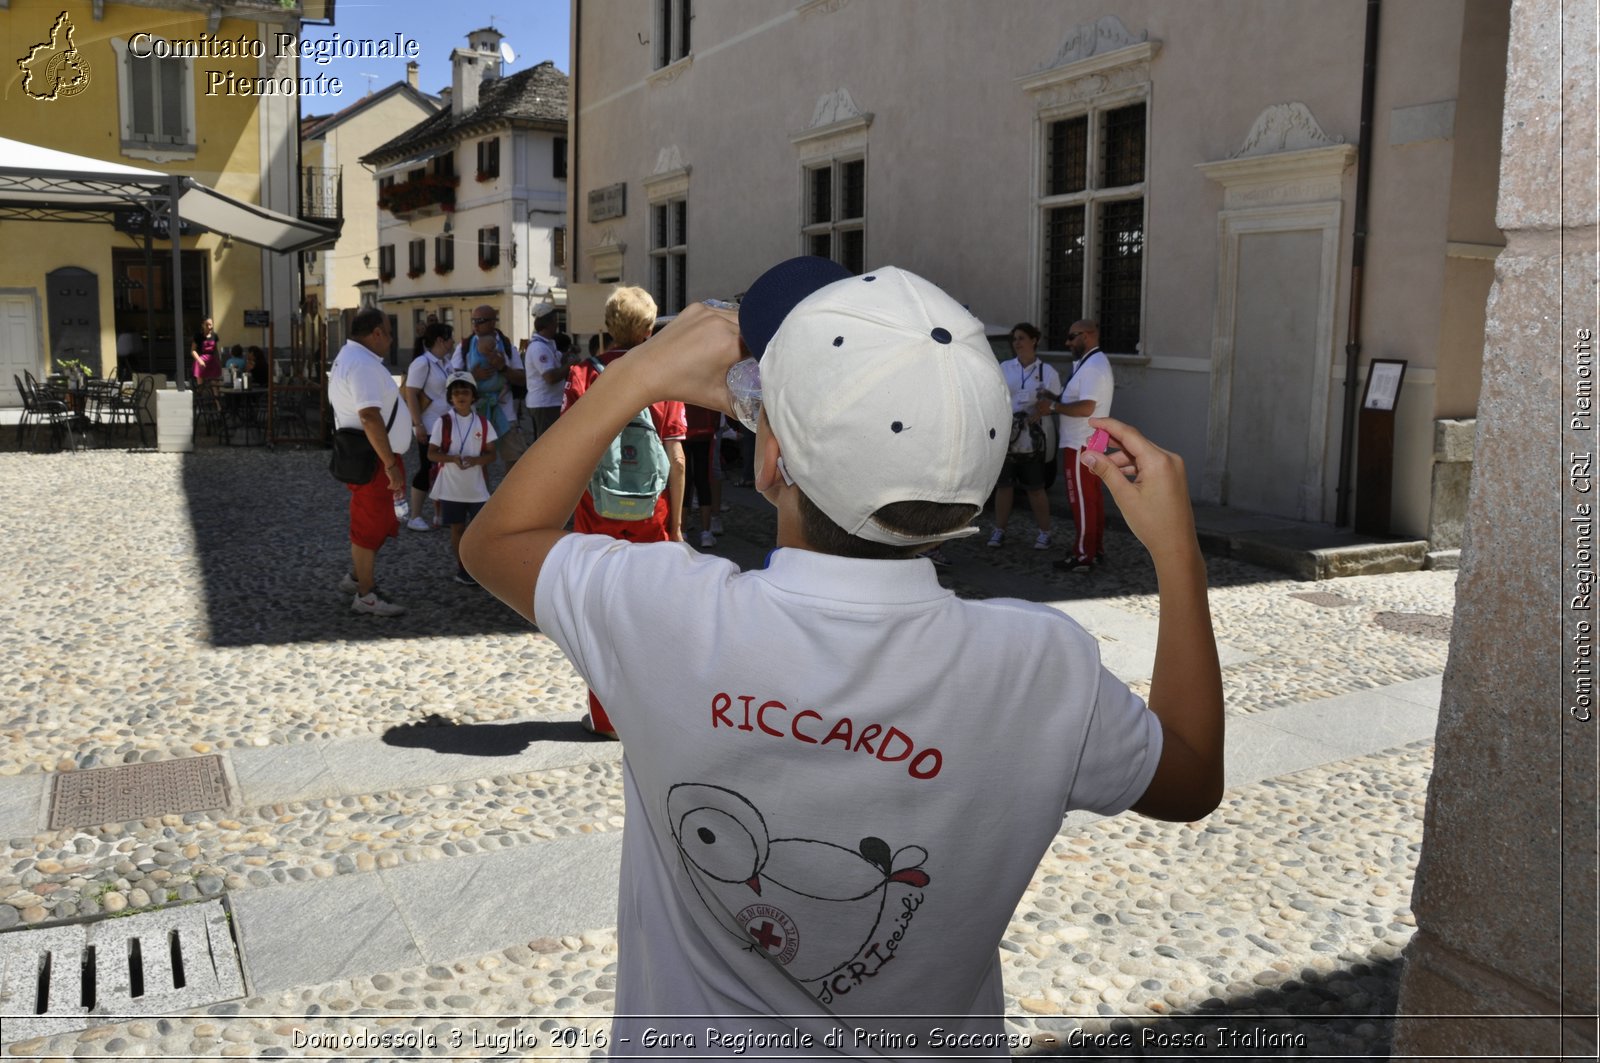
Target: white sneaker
(419, 524)
(707, 540)
(349, 584)
(997, 537)
(374, 605)
(1042, 542)
(716, 525)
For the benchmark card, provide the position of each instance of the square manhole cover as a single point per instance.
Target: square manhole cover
(137, 791)
(1425, 625)
(1325, 599)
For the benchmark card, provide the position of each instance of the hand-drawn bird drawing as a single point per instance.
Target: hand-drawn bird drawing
(812, 905)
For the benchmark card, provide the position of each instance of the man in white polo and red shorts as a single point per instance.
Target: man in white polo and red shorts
(1086, 394)
(365, 396)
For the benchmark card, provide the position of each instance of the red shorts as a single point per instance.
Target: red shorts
(372, 518)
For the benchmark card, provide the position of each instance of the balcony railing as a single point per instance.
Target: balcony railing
(420, 193)
(321, 193)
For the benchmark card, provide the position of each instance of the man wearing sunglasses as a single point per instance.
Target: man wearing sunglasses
(1086, 394)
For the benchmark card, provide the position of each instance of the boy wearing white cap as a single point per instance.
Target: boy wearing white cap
(461, 444)
(839, 777)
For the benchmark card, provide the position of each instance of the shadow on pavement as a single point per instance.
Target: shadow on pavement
(1346, 1014)
(441, 735)
(271, 534)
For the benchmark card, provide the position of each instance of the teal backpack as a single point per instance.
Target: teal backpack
(632, 472)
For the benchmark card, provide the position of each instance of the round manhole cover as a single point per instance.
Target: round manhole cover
(1425, 625)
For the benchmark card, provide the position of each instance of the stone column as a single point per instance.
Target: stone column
(1505, 894)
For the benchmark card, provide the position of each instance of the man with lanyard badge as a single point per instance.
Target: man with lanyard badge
(1087, 394)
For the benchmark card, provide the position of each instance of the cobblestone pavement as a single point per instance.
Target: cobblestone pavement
(169, 605)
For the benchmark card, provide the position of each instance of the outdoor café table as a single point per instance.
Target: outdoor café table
(76, 398)
(243, 420)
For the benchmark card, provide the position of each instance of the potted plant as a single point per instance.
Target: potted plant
(74, 370)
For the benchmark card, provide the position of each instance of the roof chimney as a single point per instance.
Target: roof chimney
(411, 73)
(473, 65)
(466, 75)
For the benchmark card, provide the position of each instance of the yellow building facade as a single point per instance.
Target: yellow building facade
(112, 82)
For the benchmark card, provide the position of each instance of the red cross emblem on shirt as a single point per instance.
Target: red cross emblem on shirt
(765, 937)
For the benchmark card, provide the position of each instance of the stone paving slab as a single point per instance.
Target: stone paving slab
(353, 925)
(318, 932)
(1128, 640)
(24, 805)
(546, 890)
(1256, 751)
(1358, 723)
(367, 765)
(269, 775)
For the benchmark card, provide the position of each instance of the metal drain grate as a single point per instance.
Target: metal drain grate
(64, 978)
(137, 791)
(1426, 625)
(1325, 599)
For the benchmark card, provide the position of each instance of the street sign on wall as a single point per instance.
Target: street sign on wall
(608, 202)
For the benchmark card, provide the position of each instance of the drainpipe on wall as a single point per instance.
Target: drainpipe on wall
(1358, 259)
(175, 228)
(574, 189)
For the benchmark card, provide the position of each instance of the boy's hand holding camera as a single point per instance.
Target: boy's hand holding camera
(1151, 492)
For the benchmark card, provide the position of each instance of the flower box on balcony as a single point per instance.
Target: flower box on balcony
(426, 191)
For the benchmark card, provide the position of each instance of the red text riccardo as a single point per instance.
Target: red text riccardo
(746, 712)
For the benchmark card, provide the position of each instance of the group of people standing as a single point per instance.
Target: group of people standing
(463, 405)
(466, 403)
(1049, 415)
(471, 402)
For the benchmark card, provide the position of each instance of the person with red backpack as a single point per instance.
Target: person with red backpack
(460, 445)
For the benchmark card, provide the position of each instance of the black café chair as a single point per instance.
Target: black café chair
(42, 406)
(130, 408)
(28, 413)
(99, 396)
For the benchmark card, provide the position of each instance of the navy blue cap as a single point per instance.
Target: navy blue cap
(778, 291)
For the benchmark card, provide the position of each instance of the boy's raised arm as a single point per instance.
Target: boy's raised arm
(505, 546)
(1186, 685)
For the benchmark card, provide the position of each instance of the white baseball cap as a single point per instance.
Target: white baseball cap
(880, 389)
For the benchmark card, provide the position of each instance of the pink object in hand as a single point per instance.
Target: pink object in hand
(1097, 441)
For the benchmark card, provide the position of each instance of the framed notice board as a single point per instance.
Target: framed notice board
(1375, 445)
(1384, 377)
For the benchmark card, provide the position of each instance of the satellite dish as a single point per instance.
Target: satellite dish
(507, 53)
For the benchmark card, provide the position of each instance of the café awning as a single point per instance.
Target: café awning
(42, 184)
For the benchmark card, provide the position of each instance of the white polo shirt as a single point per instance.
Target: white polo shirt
(837, 762)
(359, 379)
(542, 357)
(1093, 380)
(428, 375)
